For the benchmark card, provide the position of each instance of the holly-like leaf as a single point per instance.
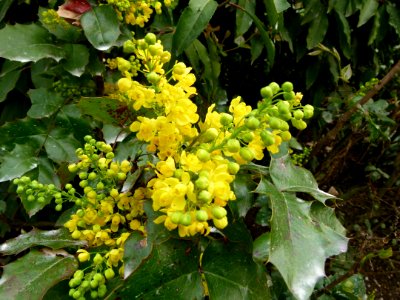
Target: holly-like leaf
(101, 26)
(44, 103)
(28, 43)
(54, 239)
(308, 239)
(243, 187)
(9, 76)
(261, 247)
(77, 57)
(19, 161)
(105, 110)
(290, 178)
(171, 270)
(231, 273)
(32, 275)
(61, 145)
(192, 22)
(137, 249)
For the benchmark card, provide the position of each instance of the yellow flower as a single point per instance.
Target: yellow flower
(239, 110)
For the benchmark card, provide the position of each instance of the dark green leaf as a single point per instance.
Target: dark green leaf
(231, 273)
(344, 34)
(243, 20)
(32, 275)
(43, 73)
(281, 5)
(295, 234)
(62, 30)
(257, 47)
(192, 22)
(137, 249)
(261, 247)
(101, 26)
(369, 9)
(28, 43)
(394, 17)
(290, 178)
(9, 76)
(4, 6)
(47, 172)
(243, 187)
(317, 30)
(269, 45)
(19, 161)
(272, 14)
(44, 103)
(60, 146)
(170, 272)
(77, 57)
(105, 110)
(54, 239)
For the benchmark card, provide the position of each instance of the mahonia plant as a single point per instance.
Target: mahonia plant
(197, 161)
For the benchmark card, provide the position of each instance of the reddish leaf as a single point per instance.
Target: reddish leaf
(77, 6)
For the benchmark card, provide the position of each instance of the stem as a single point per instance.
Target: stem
(332, 134)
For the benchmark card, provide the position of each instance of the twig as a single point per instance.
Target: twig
(331, 135)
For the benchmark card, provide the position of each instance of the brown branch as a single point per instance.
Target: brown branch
(332, 134)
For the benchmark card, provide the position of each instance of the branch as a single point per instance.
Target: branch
(331, 135)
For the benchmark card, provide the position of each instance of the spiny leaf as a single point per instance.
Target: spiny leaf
(19, 161)
(44, 103)
(28, 43)
(290, 178)
(308, 239)
(32, 275)
(77, 57)
(55, 239)
(231, 273)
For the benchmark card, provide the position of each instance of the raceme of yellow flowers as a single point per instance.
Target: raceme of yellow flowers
(198, 159)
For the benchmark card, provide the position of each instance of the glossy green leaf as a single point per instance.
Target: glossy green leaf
(257, 47)
(317, 30)
(394, 17)
(243, 187)
(77, 57)
(261, 247)
(9, 75)
(47, 173)
(32, 275)
(62, 30)
(170, 271)
(304, 237)
(44, 103)
(192, 22)
(288, 177)
(137, 249)
(60, 145)
(231, 273)
(101, 26)
(272, 14)
(54, 239)
(19, 161)
(281, 5)
(44, 72)
(368, 10)
(105, 110)
(243, 20)
(4, 6)
(28, 43)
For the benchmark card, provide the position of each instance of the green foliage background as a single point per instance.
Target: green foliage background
(328, 49)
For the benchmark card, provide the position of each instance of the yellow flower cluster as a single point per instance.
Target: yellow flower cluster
(137, 12)
(106, 216)
(198, 160)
